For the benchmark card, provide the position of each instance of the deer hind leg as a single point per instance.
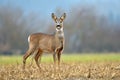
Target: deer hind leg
(33, 57)
(27, 54)
(39, 54)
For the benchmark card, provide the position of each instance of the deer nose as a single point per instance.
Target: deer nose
(58, 26)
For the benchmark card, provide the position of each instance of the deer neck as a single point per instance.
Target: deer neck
(59, 35)
(59, 38)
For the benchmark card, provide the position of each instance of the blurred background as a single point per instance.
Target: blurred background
(90, 25)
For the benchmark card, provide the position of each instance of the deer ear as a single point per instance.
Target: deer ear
(54, 17)
(62, 17)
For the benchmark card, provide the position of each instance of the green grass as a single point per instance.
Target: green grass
(65, 58)
(91, 57)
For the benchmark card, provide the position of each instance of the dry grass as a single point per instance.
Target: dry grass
(67, 71)
(73, 67)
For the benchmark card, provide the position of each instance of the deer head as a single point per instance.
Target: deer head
(59, 21)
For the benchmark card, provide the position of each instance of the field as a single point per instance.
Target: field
(73, 67)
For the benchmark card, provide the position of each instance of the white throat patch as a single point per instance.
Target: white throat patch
(60, 32)
(61, 29)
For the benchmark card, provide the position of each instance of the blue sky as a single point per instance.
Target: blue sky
(42, 6)
(45, 7)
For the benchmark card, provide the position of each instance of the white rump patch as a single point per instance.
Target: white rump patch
(29, 39)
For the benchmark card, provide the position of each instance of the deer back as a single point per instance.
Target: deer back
(44, 42)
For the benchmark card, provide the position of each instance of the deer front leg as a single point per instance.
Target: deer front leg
(60, 50)
(54, 58)
(59, 56)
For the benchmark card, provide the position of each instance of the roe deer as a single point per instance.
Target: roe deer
(48, 43)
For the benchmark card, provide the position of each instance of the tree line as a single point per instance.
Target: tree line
(85, 30)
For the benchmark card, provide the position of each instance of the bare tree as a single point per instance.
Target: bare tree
(87, 31)
(15, 27)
